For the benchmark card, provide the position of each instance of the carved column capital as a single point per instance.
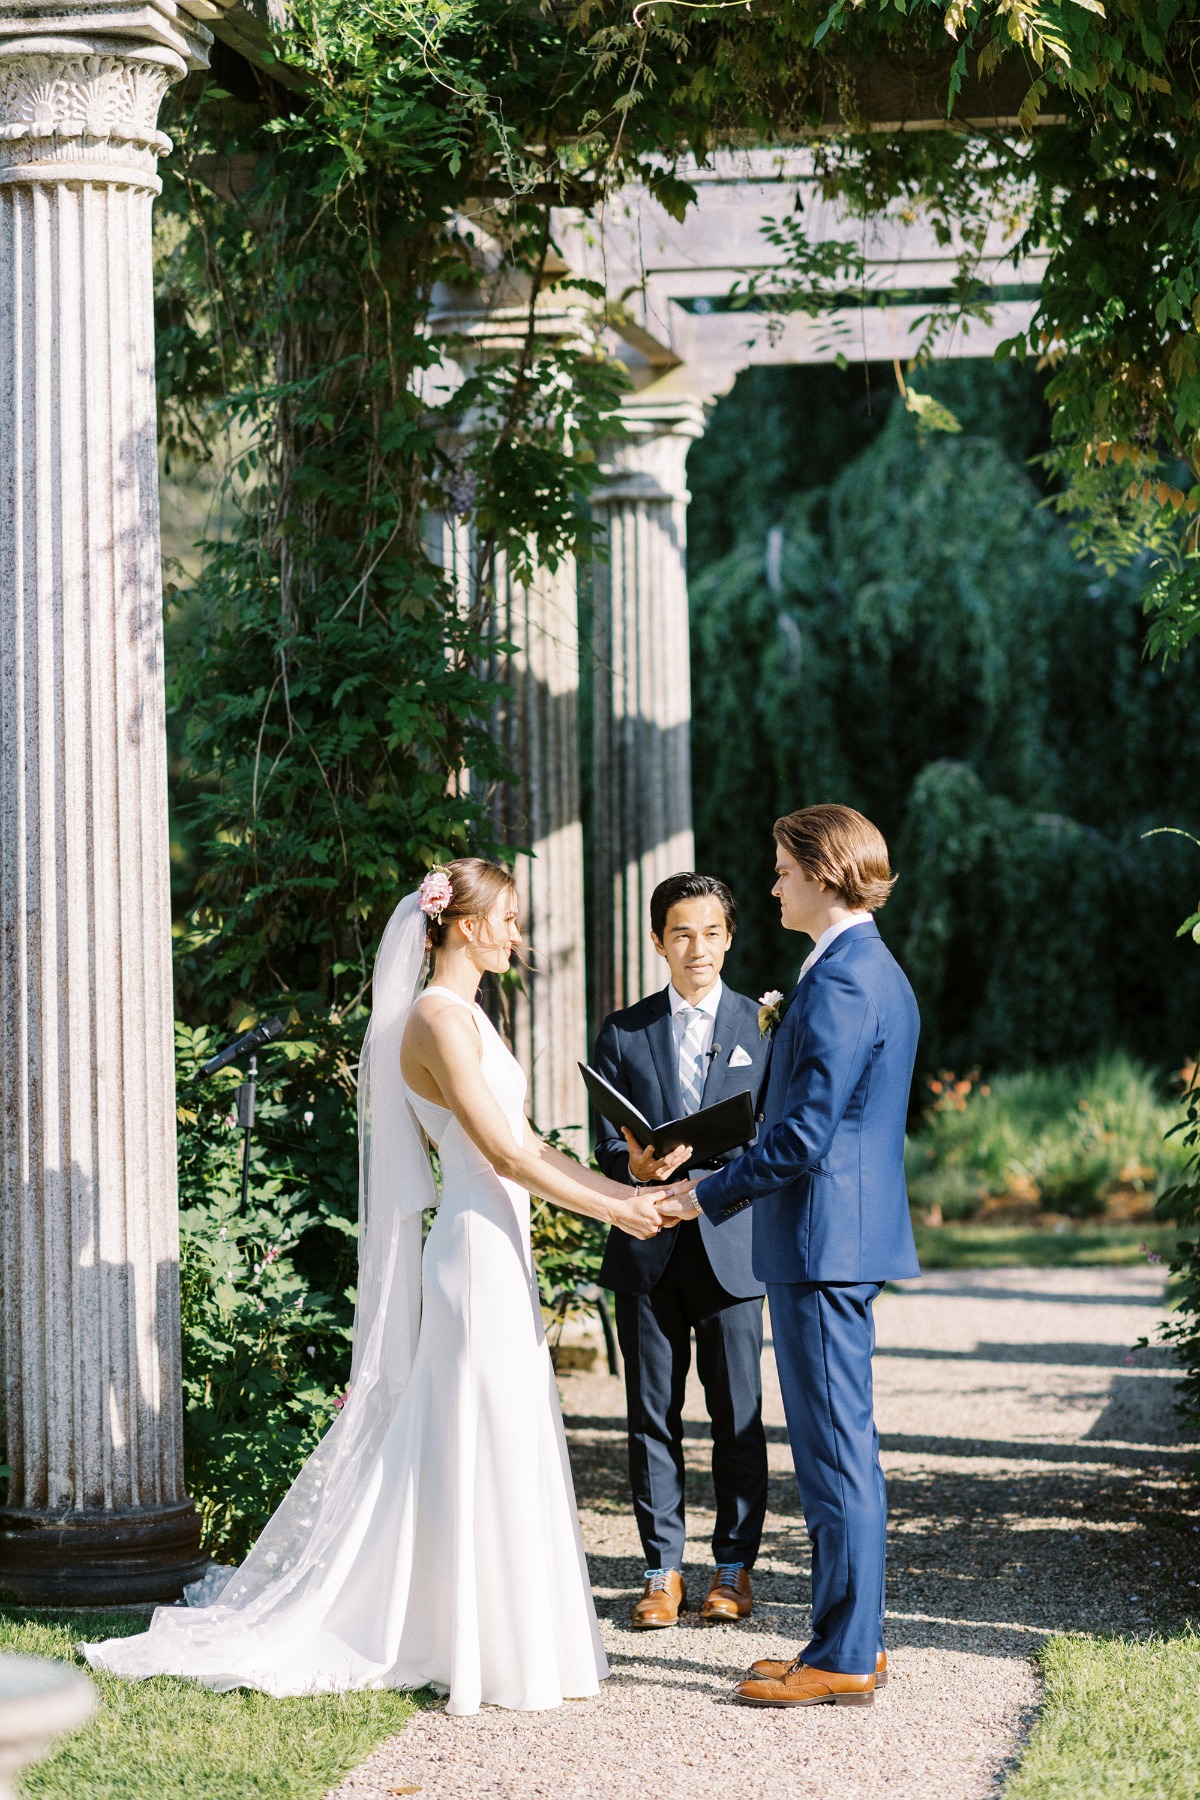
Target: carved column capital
(649, 462)
(80, 90)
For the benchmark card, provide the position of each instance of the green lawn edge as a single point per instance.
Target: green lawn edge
(174, 1740)
(1119, 1717)
(1011, 1246)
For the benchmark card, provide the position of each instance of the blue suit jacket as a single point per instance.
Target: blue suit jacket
(636, 1052)
(826, 1174)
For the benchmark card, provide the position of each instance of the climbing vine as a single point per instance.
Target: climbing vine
(353, 239)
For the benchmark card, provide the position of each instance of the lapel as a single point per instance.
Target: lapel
(662, 1048)
(724, 1034)
(788, 1004)
(864, 930)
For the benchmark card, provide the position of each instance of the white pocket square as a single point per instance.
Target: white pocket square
(740, 1059)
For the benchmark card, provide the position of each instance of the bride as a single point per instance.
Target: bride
(431, 1539)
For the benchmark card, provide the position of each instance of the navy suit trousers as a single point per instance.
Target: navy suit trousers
(655, 1332)
(824, 1337)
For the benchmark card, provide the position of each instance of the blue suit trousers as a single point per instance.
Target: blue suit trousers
(824, 1337)
(655, 1331)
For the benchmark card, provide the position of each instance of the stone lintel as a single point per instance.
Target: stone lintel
(155, 30)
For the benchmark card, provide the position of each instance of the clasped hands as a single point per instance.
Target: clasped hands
(668, 1205)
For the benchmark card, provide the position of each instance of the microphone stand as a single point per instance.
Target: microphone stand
(245, 1098)
(249, 1043)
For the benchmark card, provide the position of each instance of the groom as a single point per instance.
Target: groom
(831, 1225)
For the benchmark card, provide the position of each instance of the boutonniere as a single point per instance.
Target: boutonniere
(770, 1011)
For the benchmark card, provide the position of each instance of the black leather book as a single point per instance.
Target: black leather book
(712, 1132)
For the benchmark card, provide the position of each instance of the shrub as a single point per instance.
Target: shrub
(1181, 1204)
(1065, 1139)
(267, 1292)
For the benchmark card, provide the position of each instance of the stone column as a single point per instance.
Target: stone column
(536, 725)
(96, 1505)
(538, 729)
(642, 706)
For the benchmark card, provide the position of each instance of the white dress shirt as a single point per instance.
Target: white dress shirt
(827, 936)
(708, 1005)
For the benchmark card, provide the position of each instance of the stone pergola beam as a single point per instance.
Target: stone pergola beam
(96, 1510)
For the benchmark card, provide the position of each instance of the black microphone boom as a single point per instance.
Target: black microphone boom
(252, 1040)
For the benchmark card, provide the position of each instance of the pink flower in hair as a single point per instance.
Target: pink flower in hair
(436, 891)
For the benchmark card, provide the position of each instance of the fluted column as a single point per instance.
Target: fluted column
(538, 729)
(642, 695)
(96, 1503)
(543, 1013)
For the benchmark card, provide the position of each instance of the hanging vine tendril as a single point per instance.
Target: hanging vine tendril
(690, 6)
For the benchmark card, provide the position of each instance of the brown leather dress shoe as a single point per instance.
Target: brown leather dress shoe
(769, 1669)
(729, 1597)
(664, 1597)
(804, 1686)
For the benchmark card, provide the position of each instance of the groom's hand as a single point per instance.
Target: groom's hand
(678, 1203)
(647, 1165)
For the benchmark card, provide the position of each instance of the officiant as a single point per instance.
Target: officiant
(693, 1043)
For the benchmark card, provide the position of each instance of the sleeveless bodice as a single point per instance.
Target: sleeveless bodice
(468, 1180)
(504, 1076)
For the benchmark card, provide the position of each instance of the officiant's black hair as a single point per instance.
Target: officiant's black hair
(688, 886)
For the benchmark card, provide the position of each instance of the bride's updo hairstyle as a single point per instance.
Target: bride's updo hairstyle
(467, 888)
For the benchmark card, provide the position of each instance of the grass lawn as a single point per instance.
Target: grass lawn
(171, 1740)
(1011, 1246)
(1120, 1717)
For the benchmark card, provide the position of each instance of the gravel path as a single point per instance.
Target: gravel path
(1031, 1471)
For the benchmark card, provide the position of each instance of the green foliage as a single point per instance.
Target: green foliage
(1109, 194)
(329, 687)
(567, 1249)
(917, 639)
(329, 682)
(1095, 1245)
(1063, 1139)
(267, 1292)
(151, 1739)
(1181, 1205)
(1120, 1717)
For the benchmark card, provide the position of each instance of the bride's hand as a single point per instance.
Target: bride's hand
(635, 1212)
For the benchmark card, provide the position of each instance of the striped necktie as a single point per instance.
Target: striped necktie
(691, 1057)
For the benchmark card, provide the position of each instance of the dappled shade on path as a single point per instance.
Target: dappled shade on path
(1033, 1479)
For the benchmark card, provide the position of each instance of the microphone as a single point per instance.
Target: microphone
(715, 1051)
(250, 1041)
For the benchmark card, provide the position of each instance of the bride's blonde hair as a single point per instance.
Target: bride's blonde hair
(475, 887)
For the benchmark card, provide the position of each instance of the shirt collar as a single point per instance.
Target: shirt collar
(829, 934)
(709, 1004)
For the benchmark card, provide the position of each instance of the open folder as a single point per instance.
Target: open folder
(711, 1132)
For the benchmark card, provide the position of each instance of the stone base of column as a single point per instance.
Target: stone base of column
(99, 1558)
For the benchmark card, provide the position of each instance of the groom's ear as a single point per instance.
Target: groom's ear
(658, 943)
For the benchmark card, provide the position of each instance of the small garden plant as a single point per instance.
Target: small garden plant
(1074, 1143)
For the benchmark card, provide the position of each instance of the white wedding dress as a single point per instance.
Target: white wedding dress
(436, 1541)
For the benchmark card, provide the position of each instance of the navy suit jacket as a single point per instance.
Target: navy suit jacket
(826, 1173)
(636, 1052)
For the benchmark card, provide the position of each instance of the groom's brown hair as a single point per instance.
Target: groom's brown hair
(838, 846)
